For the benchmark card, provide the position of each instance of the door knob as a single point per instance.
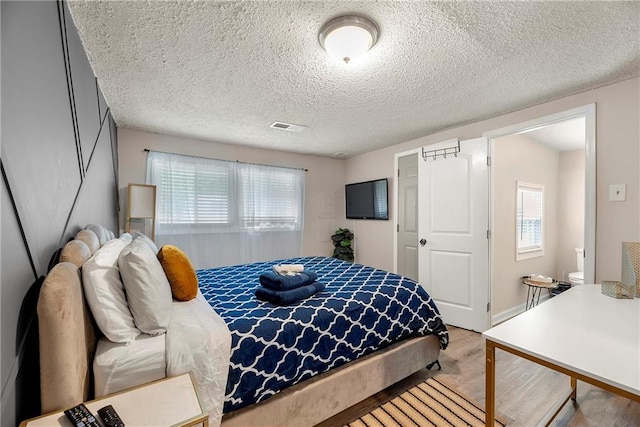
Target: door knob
(423, 242)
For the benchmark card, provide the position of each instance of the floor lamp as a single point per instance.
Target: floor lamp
(141, 204)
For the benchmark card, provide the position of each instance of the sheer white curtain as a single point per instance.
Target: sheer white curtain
(225, 213)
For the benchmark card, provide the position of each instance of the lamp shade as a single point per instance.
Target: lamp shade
(142, 201)
(348, 38)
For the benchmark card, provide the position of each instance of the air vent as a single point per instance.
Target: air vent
(287, 126)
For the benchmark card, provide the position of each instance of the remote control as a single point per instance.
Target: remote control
(110, 417)
(80, 416)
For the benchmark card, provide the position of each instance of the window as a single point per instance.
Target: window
(529, 220)
(204, 195)
(271, 197)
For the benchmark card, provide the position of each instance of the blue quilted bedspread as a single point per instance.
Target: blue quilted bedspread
(361, 310)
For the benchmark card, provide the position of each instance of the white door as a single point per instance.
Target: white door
(454, 246)
(408, 220)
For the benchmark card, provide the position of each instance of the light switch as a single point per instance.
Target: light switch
(617, 192)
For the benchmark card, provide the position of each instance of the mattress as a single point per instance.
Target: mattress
(118, 366)
(361, 310)
(197, 340)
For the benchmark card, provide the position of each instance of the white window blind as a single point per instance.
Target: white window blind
(271, 197)
(216, 195)
(529, 220)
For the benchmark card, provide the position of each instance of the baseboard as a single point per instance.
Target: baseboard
(512, 312)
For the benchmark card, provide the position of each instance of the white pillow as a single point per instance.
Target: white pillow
(147, 240)
(105, 294)
(148, 290)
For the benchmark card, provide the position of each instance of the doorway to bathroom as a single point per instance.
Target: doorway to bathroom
(542, 205)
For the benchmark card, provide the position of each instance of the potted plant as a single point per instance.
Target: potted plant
(342, 241)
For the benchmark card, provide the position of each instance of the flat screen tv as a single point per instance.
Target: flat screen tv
(367, 200)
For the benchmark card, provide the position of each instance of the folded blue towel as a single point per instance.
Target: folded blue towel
(290, 296)
(274, 281)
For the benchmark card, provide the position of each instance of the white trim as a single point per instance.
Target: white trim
(514, 311)
(590, 219)
(491, 151)
(589, 113)
(507, 314)
(541, 122)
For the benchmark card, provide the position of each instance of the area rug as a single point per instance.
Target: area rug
(431, 403)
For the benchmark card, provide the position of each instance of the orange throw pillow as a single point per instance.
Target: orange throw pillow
(179, 271)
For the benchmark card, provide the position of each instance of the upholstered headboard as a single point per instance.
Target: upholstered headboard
(67, 334)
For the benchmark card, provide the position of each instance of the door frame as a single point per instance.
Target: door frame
(484, 307)
(589, 113)
(418, 152)
(396, 156)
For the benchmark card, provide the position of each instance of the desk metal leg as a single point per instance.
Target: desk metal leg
(490, 375)
(556, 408)
(490, 386)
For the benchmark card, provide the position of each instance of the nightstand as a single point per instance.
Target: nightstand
(167, 402)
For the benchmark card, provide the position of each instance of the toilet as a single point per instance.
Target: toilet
(577, 277)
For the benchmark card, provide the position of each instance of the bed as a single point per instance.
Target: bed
(326, 368)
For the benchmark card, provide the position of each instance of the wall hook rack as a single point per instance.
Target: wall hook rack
(454, 149)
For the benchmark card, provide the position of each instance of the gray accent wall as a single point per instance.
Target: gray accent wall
(59, 164)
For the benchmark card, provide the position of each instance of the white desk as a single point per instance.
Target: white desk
(582, 333)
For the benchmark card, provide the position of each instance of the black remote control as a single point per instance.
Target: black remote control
(110, 417)
(80, 416)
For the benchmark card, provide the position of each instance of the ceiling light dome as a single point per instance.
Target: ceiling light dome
(347, 38)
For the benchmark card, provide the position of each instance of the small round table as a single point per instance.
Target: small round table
(534, 289)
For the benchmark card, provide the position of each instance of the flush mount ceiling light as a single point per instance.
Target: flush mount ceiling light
(347, 38)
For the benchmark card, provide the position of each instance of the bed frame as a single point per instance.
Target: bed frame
(327, 394)
(67, 346)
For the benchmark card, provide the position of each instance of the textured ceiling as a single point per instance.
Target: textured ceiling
(225, 70)
(563, 136)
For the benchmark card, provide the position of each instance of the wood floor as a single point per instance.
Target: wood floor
(525, 391)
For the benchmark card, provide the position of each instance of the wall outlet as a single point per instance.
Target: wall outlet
(617, 192)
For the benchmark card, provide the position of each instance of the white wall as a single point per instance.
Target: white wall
(517, 158)
(324, 181)
(370, 234)
(570, 214)
(617, 158)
